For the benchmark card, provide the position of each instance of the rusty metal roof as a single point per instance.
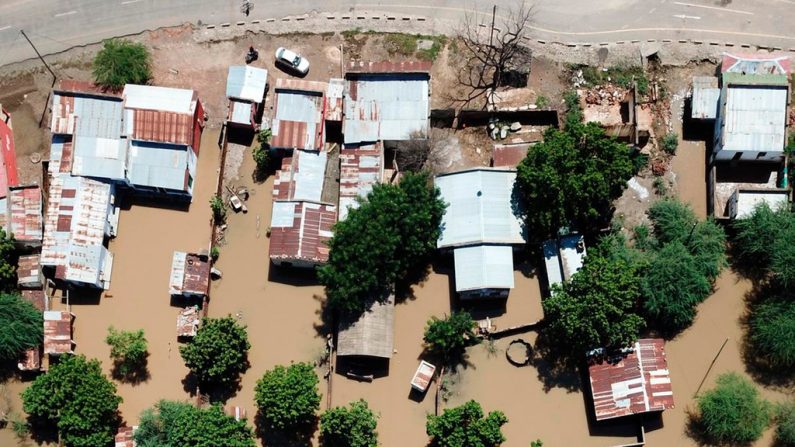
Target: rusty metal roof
(509, 155)
(190, 274)
(25, 213)
(634, 382)
(301, 230)
(361, 167)
(162, 126)
(58, 332)
(389, 67)
(35, 297)
(61, 155)
(334, 94)
(89, 116)
(29, 271)
(30, 360)
(85, 87)
(188, 322)
(124, 437)
(298, 121)
(301, 177)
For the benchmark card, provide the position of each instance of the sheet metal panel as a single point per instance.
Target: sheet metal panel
(162, 127)
(25, 210)
(8, 157)
(755, 118)
(246, 82)
(99, 117)
(158, 165)
(104, 158)
(302, 176)
(164, 99)
(361, 167)
(483, 267)
(306, 239)
(57, 332)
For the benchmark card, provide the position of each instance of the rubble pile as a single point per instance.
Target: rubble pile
(605, 95)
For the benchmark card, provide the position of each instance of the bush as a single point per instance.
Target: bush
(574, 114)
(172, 424)
(215, 252)
(542, 102)
(465, 426)
(401, 44)
(21, 326)
(218, 354)
(287, 397)
(8, 261)
(448, 338)
(772, 331)
(262, 153)
(121, 62)
(128, 349)
(218, 208)
(733, 411)
(660, 186)
(669, 143)
(349, 427)
(76, 398)
(785, 425)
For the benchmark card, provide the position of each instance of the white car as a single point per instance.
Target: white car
(293, 60)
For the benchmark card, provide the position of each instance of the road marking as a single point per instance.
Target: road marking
(5, 27)
(736, 11)
(61, 14)
(127, 2)
(682, 16)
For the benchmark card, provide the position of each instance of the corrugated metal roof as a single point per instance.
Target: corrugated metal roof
(158, 165)
(509, 155)
(483, 267)
(35, 297)
(755, 118)
(75, 228)
(124, 438)
(241, 112)
(161, 126)
(361, 167)
(301, 230)
(633, 383)
(246, 82)
(165, 99)
(749, 199)
(25, 214)
(572, 254)
(753, 64)
(386, 107)
(30, 360)
(58, 332)
(389, 67)
(88, 116)
(298, 119)
(84, 87)
(301, 177)
(104, 158)
(480, 210)
(190, 274)
(371, 333)
(8, 157)
(334, 94)
(706, 96)
(61, 153)
(188, 322)
(29, 272)
(552, 262)
(299, 85)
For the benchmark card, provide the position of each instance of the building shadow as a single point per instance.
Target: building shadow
(362, 369)
(292, 276)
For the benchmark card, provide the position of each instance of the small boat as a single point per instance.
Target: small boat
(423, 376)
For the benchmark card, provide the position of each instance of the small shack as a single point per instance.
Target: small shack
(188, 322)
(58, 332)
(29, 274)
(563, 257)
(634, 381)
(245, 89)
(124, 437)
(190, 275)
(483, 271)
(369, 335)
(744, 200)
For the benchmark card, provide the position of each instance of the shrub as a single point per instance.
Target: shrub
(660, 186)
(733, 411)
(352, 426)
(401, 44)
(8, 261)
(542, 102)
(121, 62)
(215, 252)
(21, 326)
(465, 426)
(669, 143)
(772, 331)
(448, 338)
(218, 208)
(261, 153)
(128, 349)
(785, 425)
(287, 396)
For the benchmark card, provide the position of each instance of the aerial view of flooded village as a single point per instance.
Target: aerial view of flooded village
(260, 224)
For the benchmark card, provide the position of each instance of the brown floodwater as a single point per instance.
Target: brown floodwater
(689, 165)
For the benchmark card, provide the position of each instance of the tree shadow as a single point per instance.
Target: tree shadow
(555, 368)
(43, 431)
(275, 437)
(132, 374)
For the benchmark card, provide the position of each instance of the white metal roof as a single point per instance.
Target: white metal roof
(241, 112)
(246, 82)
(552, 263)
(755, 118)
(158, 165)
(572, 254)
(104, 158)
(483, 267)
(310, 175)
(166, 99)
(480, 208)
(747, 200)
(706, 95)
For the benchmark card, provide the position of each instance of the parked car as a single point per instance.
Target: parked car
(295, 61)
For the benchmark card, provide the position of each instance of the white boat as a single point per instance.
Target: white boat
(423, 376)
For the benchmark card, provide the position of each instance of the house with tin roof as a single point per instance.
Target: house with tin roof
(245, 89)
(299, 115)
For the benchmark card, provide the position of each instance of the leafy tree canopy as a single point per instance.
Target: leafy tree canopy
(128, 349)
(772, 331)
(392, 233)
(597, 308)
(465, 426)
(287, 396)
(785, 425)
(8, 270)
(21, 326)
(121, 62)
(352, 426)
(219, 352)
(572, 178)
(756, 234)
(733, 411)
(78, 399)
(448, 338)
(176, 424)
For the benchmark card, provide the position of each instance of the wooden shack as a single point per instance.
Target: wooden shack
(369, 335)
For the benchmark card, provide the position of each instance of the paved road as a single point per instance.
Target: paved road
(56, 25)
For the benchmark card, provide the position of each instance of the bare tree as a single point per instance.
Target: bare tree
(488, 50)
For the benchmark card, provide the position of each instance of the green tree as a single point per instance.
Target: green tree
(128, 349)
(262, 153)
(121, 62)
(8, 270)
(287, 397)
(218, 208)
(785, 425)
(733, 411)
(772, 331)
(21, 326)
(465, 426)
(755, 235)
(448, 338)
(389, 237)
(673, 286)
(352, 426)
(176, 424)
(782, 257)
(218, 354)
(597, 308)
(572, 178)
(78, 399)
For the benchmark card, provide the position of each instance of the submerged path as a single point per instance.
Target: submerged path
(57, 25)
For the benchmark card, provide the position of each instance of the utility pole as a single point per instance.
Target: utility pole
(493, 16)
(39, 55)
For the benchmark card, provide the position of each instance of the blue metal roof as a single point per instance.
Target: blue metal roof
(158, 165)
(104, 158)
